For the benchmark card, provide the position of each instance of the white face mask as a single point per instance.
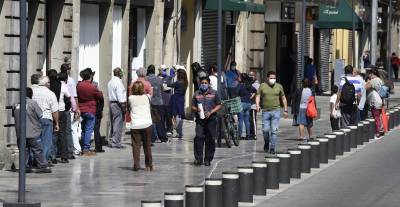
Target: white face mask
(272, 81)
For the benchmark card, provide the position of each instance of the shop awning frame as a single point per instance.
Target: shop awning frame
(236, 5)
(338, 17)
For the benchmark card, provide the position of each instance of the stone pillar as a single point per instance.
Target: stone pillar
(242, 41)
(172, 38)
(257, 41)
(125, 37)
(76, 10)
(154, 36)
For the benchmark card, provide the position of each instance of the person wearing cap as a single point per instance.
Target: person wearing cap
(206, 103)
(166, 96)
(88, 95)
(117, 98)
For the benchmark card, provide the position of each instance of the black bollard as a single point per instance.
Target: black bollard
(246, 184)
(213, 192)
(391, 119)
(371, 132)
(323, 149)
(174, 199)
(331, 146)
(230, 189)
(396, 117)
(360, 138)
(194, 196)
(339, 142)
(305, 158)
(315, 149)
(295, 165)
(353, 136)
(284, 167)
(272, 172)
(346, 139)
(151, 203)
(260, 180)
(366, 131)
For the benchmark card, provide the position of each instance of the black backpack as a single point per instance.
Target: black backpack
(348, 94)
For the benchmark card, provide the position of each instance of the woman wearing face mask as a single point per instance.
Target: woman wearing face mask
(246, 93)
(177, 102)
(206, 103)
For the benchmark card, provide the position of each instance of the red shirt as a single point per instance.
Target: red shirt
(88, 94)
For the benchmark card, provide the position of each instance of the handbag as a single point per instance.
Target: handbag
(312, 111)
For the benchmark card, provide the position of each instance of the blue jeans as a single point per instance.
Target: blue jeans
(179, 126)
(46, 137)
(244, 116)
(88, 122)
(270, 127)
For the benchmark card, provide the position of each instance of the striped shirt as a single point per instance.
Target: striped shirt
(353, 80)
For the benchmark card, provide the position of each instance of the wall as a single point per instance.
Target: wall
(154, 36)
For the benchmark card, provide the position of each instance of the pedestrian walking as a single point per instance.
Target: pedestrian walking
(64, 103)
(348, 97)
(117, 98)
(246, 93)
(34, 127)
(253, 111)
(299, 110)
(88, 95)
(395, 62)
(375, 101)
(157, 105)
(269, 97)
(206, 103)
(177, 103)
(232, 80)
(334, 114)
(140, 126)
(47, 101)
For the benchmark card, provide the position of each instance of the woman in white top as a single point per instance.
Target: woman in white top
(141, 125)
(374, 99)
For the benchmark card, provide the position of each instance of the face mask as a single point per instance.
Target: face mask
(203, 87)
(272, 81)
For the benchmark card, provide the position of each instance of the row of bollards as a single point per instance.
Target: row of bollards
(241, 186)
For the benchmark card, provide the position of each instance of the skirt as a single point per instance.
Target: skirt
(301, 118)
(177, 105)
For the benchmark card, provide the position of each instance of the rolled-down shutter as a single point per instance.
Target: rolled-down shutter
(300, 72)
(324, 58)
(209, 37)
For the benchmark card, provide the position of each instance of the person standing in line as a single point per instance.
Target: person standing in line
(362, 113)
(232, 80)
(148, 89)
(47, 101)
(299, 110)
(166, 96)
(157, 104)
(253, 111)
(271, 94)
(395, 61)
(246, 93)
(117, 98)
(375, 101)
(88, 95)
(332, 109)
(141, 125)
(206, 103)
(73, 120)
(177, 102)
(34, 127)
(64, 107)
(55, 87)
(348, 97)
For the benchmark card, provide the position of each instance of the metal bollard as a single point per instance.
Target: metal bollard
(339, 142)
(151, 203)
(272, 172)
(213, 192)
(305, 158)
(246, 184)
(260, 180)
(391, 119)
(315, 149)
(346, 139)
(353, 136)
(396, 117)
(371, 130)
(323, 149)
(284, 167)
(331, 146)
(360, 139)
(194, 196)
(230, 189)
(295, 165)
(174, 199)
(366, 131)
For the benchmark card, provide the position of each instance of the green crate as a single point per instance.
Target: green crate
(234, 105)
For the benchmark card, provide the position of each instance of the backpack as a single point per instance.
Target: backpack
(311, 111)
(348, 95)
(384, 92)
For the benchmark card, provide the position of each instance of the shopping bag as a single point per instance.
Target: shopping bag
(385, 120)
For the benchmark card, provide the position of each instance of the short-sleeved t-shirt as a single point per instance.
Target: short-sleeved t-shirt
(209, 100)
(333, 99)
(245, 93)
(269, 96)
(355, 81)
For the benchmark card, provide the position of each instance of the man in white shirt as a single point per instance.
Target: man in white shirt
(64, 108)
(363, 97)
(117, 98)
(47, 101)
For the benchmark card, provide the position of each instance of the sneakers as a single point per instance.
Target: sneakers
(207, 163)
(198, 162)
(169, 134)
(272, 151)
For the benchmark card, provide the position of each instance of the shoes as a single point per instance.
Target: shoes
(266, 147)
(207, 163)
(149, 169)
(50, 165)
(64, 160)
(28, 170)
(88, 153)
(169, 134)
(120, 147)
(43, 170)
(198, 162)
(272, 151)
(99, 150)
(77, 152)
(136, 168)
(243, 138)
(54, 161)
(71, 157)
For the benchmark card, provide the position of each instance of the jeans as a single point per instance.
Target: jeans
(270, 127)
(244, 116)
(179, 126)
(88, 122)
(46, 138)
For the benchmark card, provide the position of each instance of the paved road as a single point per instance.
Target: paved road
(369, 177)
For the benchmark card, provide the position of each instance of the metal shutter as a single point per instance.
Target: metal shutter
(209, 37)
(300, 72)
(324, 58)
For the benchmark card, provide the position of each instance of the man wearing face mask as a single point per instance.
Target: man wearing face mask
(269, 97)
(253, 112)
(206, 103)
(232, 80)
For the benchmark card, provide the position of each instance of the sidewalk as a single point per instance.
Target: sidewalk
(108, 180)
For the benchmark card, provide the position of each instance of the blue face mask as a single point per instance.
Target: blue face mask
(203, 87)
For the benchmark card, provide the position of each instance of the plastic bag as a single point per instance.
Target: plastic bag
(385, 120)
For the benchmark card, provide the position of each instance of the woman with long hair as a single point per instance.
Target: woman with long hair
(246, 93)
(177, 102)
(299, 110)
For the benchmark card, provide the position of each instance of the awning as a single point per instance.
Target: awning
(235, 5)
(337, 17)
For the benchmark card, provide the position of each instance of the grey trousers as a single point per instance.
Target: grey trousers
(117, 125)
(33, 145)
